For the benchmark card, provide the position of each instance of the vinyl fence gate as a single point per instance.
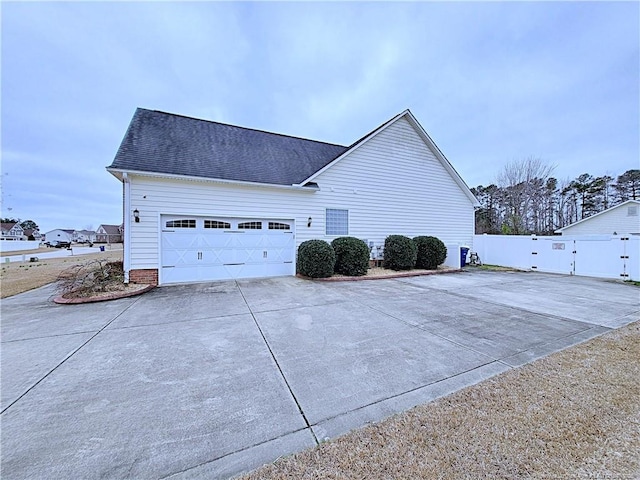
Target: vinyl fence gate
(604, 256)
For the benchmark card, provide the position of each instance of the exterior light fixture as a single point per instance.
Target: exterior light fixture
(309, 222)
(136, 215)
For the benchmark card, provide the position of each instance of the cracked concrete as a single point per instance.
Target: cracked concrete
(211, 380)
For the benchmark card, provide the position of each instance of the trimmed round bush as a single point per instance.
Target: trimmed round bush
(431, 252)
(400, 253)
(352, 256)
(316, 259)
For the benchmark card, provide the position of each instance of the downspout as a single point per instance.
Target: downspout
(126, 256)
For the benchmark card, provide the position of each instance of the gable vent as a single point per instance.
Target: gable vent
(632, 211)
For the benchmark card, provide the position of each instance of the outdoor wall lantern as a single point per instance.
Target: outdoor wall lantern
(136, 215)
(309, 222)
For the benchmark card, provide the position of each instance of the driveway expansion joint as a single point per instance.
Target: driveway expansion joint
(411, 390)
(240, 450)
(67, 358)
(422, 329)
(47, 336)
(273, 356)
(170, 322)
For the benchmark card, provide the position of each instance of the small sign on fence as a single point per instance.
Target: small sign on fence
(557, 246)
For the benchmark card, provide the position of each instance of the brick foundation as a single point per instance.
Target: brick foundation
(148, 275)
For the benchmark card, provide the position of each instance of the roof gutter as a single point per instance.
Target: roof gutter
(121, 173)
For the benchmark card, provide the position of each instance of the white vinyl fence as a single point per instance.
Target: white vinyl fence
(605, 256)
(17, 245)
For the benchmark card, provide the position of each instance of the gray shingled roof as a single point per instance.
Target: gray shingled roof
(162, 142)
(110, 229)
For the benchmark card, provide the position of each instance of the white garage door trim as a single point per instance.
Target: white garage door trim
(201, 249)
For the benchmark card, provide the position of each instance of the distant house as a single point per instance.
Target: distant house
(623, 219)
(84, 236)
(59, 235)
(109, 234)
(12, 231)
(32, 234)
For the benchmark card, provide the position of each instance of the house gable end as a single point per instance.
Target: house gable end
(395, 184)
(421, 133)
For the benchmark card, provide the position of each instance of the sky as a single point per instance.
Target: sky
(491, 82)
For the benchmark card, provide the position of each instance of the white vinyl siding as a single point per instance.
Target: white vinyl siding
(617, 220)
(393, 184)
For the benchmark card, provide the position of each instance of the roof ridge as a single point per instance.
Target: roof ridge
(371, 132)
(243, 128)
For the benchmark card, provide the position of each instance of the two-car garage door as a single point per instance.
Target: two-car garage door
(210, 248)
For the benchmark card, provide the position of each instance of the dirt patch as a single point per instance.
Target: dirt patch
(20, 277)
(574, 414)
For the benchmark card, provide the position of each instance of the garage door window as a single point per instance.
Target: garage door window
(250, 226)
(337, 222)
(279, 226)
(181, 224)
(216, 224)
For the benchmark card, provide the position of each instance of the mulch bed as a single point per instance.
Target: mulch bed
(129, 290)
(378, 273)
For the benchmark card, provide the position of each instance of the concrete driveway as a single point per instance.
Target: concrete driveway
(211, 380)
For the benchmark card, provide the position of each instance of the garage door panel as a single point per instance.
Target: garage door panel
(218, 249)
(278, 256)
(279, 269)
(171, 240)
(181, 257)
(218, 240)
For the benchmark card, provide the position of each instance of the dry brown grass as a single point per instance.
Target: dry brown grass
(574, 414)
(20, 277)
(26, 252)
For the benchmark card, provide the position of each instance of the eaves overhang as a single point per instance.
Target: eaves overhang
(122, 174)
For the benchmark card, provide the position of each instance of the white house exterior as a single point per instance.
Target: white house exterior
(182, 228)
(59, 235)
(12, 231)
(84, 236)
(623, 219)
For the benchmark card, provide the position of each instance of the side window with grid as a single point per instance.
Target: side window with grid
(337, 222)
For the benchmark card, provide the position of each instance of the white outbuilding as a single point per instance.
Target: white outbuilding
(623, 219)
(59, 235)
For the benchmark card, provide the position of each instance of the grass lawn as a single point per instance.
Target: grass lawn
(572, 415)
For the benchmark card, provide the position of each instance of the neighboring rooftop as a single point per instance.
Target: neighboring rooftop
(110, 229)
(162, 142)
(6, 226)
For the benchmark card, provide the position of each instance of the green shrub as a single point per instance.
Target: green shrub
(352, 256)
(399, 253)
(431, 252)
(316, 259)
